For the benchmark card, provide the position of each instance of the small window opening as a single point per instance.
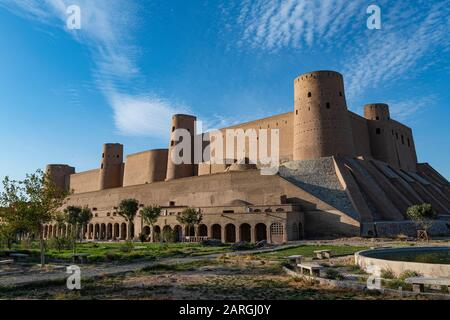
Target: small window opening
(328, 105)
(309, 94)
(378, 131)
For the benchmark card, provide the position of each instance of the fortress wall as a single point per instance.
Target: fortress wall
(221, 189)
(85, 181)
(204, 191)
(282, 122)
(404, 146)
(145, 167)
(361, 138)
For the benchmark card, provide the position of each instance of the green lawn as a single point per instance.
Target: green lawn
(99, 252)
(308, 251)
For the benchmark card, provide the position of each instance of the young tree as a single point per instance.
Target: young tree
(190, 217)
(77, 217)
(128, 209)
(35, 201)
(150, 215)
(423, 216)
(8, 228)
(84, 219)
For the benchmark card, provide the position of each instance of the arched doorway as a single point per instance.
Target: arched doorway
(178, 233)
(96, 232)
(167, 234)
(116, 231)
(123, 231)
(245, 232)
(230, 233)
(90, 231)
(103, 231)
(202, 230)
(260, 232)
(156, 233)
(190, 231)
(146, 230)
(84, 233)
(216, 232)
(109, 231)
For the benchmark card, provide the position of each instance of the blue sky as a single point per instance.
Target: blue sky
(63, 93)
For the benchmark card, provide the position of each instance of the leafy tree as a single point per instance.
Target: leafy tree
(189, 218)
(128, 209)
(150, 215)
(423, 215)
(77, 218)
(35, 201)
(8, 230)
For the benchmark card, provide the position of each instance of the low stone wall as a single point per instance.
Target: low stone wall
(369, 264)
(395, 228)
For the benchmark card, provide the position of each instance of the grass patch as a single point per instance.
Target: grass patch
(104, 252)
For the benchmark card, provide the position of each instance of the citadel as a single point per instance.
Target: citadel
(340, 174)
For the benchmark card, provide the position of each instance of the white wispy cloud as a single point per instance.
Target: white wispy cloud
(274, 24)
(414, 106)
(143, 115)
(412, 36)
(403, 51)
(107, 29)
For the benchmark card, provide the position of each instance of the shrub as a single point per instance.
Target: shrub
(143, 237)
(60, 243)
(387, 274)
(127, 246)
(422, 215)
(334, 275)
(409, 274)
(243, 246)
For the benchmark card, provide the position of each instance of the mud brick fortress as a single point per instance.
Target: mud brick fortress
(341, 174)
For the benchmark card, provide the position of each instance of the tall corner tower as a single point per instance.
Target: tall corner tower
(59, 174)
(177, 171)
(377, 112)
(381, 139)
(321, 121)
(111, 170)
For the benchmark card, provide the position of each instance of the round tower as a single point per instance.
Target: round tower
(377, 112)
(321, 121)
(111, 169)
(187, 169)
(157, 165)
(59, 174)
(380, 132)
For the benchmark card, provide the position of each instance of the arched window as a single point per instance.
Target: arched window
(328, 105)
(309, 94)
